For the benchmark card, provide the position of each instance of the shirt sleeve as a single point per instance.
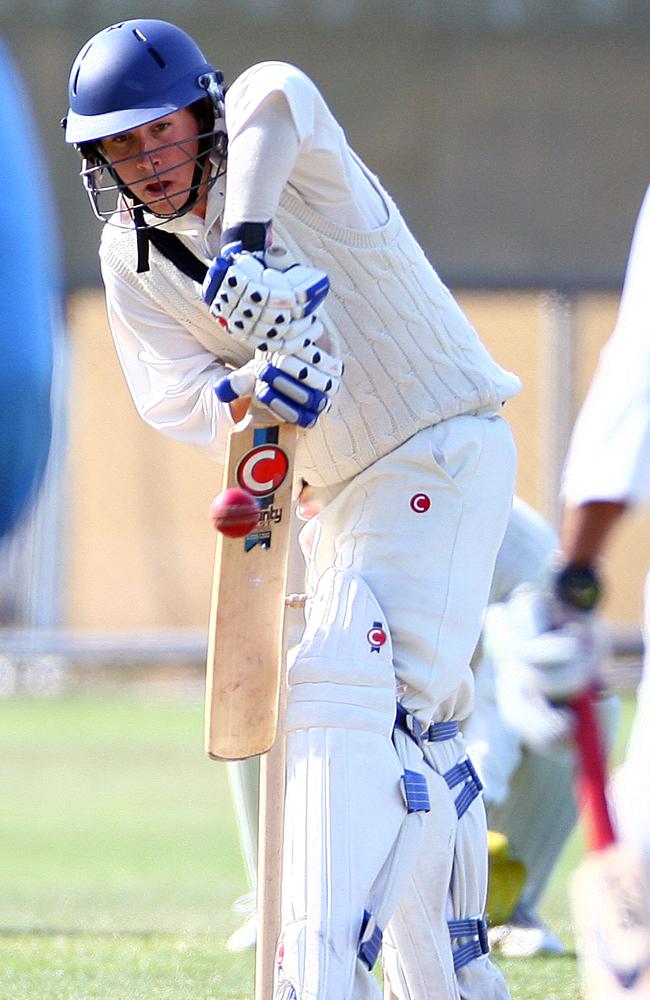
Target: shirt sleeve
(609, 453)
(280, 132)
(169, 374)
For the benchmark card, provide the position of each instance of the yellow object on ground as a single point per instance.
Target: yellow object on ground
(506, 879)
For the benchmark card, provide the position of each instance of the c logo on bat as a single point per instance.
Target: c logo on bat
(263, 470)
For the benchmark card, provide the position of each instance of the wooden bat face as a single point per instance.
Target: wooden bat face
(248, 594)
(609, 893)
(611, 906)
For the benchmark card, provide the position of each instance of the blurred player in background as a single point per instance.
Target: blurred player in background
(521, 754)
(408, 471)
(607, 473)
(28, 290)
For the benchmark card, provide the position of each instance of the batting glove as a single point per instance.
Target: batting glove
(265, 308)
(298, 388)
(547, 647)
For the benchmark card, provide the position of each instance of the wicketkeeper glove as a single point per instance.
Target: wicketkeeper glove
(298, 388)
(265, 308)
(547, 647)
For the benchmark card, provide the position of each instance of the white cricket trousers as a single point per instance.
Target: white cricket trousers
(420, 529)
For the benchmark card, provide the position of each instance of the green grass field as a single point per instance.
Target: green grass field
(119, 858)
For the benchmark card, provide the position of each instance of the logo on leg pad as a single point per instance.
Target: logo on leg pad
(376, 637)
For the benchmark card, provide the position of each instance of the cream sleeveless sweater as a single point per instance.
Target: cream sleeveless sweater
(411, 356)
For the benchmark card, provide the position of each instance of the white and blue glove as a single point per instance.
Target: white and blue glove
(266, 309)
(297, 388)
(546, 652)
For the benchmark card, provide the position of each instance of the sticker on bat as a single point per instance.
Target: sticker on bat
(263, 470)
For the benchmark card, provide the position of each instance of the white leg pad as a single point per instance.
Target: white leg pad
(349, 843)
(418, 955)
(417, 950)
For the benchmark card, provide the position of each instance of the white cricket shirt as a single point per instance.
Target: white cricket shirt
(609, 454)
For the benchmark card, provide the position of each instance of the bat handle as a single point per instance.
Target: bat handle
(592, 774)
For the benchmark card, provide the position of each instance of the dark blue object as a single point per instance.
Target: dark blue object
(29, 300)
(130, 74)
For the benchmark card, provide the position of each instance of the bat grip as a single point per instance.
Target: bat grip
(592, 776)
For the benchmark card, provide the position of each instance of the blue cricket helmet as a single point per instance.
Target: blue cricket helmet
(129, 75)
(132, 73)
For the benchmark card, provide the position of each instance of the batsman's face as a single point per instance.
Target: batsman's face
(157, 161)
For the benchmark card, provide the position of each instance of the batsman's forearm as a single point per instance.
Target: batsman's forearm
(586, 529)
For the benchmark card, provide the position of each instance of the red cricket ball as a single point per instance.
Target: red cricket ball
(234, 512)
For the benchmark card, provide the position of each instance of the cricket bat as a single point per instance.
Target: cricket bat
(609, 893)
(244, 659)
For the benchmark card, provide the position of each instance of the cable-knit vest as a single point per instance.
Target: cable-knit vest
(411, 356)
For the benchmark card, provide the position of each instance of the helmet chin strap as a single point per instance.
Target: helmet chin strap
(141, 239)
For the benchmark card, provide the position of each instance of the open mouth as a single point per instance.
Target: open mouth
(158, 189)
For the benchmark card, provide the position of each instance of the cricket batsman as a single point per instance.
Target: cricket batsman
(318, 302)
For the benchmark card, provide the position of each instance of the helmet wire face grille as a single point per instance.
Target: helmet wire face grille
(114, 202)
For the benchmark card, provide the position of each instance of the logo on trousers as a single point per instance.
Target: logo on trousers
(420, 503)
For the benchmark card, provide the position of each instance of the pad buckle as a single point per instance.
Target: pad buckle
(464, 771)
(415, 791)
(369, 941)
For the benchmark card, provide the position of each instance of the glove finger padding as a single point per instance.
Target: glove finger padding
(318, 358)
(299, 335)
(319, 374)
(310, 286)
(296, 388)
(251, 300)
(291, 400)
(240, 383)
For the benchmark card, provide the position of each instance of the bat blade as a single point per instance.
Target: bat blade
(609, 894)
(611, 911)
(248, 594)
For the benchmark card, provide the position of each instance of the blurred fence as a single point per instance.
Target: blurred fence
(511, 132)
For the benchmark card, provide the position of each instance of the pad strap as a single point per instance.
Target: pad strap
(437, 732)
(464, 771)
(415, 791)
(369, 941)
(474, 928)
